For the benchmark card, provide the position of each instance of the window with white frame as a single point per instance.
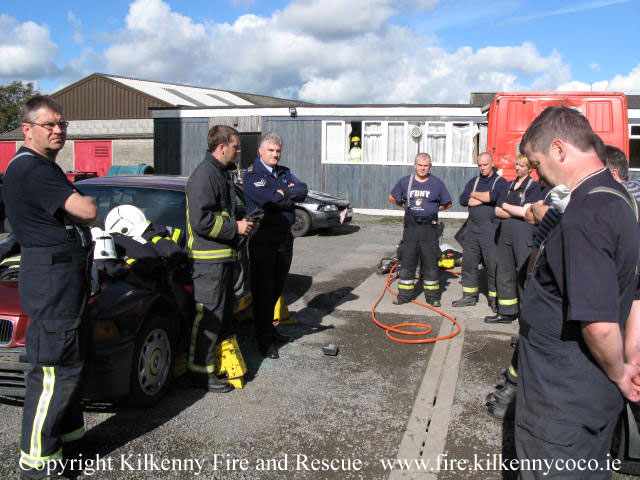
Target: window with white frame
(397, 142)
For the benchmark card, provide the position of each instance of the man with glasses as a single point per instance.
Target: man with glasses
(213, 232)
(49, 218)
(422, 195)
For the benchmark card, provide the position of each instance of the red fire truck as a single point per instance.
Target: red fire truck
(511, 113)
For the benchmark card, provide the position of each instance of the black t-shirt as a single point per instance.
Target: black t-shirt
(529, 191)
(590, 257)
(35, 189)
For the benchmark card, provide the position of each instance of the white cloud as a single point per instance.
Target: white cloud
(26, 50)
(322, 51)
(332, 19)
(336, 18)
(629, 84)
(76, 27)
(159, 44)
(325, 51)
(594, 66)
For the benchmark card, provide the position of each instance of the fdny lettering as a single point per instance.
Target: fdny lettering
(419, 193)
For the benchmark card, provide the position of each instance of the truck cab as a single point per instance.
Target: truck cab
(511, 113)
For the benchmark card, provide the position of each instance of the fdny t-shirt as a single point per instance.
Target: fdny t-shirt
(424, 197)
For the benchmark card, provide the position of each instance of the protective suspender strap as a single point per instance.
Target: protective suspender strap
(475, 185)
(406, 205)
(629, 201)
(17, 156)
(526, 187)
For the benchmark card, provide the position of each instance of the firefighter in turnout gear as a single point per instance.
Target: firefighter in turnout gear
(213, 233)
(422, 195)
(50, 219)
(515, 238)
(480, 195)
(355, 153)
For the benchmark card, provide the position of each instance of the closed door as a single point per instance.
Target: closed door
(92, 156)
(7, 151)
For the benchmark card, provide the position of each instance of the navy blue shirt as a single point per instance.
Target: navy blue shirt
(587, 257)
(485, 212)
(425, 197)
(261, 193)
(529, 191)
(35, 189)
(585, 273)
(493, 183)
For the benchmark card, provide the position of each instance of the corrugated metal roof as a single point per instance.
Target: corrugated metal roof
(183, 95)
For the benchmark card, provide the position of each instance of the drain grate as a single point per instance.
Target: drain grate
(426, 432)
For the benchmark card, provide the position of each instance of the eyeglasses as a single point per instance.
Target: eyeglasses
(51, 125)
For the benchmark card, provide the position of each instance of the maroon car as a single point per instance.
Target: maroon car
(138, 332)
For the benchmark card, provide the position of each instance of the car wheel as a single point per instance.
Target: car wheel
(302, 225)
(153, 360)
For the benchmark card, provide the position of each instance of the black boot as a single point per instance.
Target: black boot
(215, 385)
(492, 305)
(466, 301)
(502, 395)
(400, 300)
(500, 318)
(434, 302)
(502, 410)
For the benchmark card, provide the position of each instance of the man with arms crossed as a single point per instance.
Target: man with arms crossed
(49, 219)
(480, 195)
(270, 187)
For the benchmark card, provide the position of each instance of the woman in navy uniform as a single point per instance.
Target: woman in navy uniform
(49, 219)
(515, 237)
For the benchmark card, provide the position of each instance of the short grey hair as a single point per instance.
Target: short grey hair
(486, 154)
(422, 155)
(28, 112)
(272, 138)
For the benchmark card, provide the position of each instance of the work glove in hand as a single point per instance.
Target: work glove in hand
(560, 196)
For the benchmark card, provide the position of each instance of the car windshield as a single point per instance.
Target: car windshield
(161, 206)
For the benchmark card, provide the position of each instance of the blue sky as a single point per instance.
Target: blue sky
(329, 51)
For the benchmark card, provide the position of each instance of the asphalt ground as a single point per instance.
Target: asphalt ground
(309, 415)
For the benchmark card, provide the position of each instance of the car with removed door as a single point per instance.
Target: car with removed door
(139, 334)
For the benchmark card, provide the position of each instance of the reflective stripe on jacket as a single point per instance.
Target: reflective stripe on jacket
(211, 222)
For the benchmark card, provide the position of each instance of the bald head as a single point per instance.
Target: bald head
(485, 164)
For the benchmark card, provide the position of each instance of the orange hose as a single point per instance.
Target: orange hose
(398, 328)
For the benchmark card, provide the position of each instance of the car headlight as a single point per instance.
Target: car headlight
(327, 208)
